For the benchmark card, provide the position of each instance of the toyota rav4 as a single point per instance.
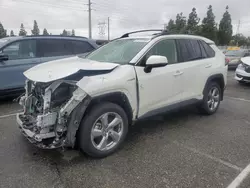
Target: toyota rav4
(91, 101)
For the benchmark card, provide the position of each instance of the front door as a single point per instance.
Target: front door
(22, 56)
(161, 87)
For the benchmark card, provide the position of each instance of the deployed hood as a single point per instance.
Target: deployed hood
(54, 70)
(246, 60)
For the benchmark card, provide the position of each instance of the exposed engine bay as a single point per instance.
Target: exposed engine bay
(47, 110)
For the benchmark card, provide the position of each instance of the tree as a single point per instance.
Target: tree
(12, 33)
(209, 29)
(73, 32)
(22, 31)
(225, 29)
(35, 30)
(180, 23)
(192, 23)
(3, 32)
(45, 32)
(171, 27)
(64, 33)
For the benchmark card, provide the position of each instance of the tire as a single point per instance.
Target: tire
(211, 101)
(96, 130)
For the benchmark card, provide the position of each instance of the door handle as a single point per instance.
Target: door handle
(178, 73)
(208, 66)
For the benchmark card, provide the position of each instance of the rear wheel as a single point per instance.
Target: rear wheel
(103, 130)
(211, 99)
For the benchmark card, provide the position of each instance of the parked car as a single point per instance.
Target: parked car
(242, 73)
(234, 56)
(18, 54)
(93, 101)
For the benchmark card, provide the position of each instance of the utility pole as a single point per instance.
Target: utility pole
(108, 30)
(90, 25)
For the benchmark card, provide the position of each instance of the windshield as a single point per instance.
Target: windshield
(118, 51)
(237, 53)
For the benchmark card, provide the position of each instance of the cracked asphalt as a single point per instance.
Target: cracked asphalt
(181, 149)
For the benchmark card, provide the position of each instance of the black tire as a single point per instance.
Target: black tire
(87, 124)
(204, 107)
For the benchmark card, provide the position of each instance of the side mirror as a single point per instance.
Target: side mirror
(3, 57)
(155, 61)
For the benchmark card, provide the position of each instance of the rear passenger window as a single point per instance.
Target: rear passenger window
(80, 47)
(209, 51)
(189, 50)
(54, 47)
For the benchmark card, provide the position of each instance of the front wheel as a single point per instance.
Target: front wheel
(211, 99)
(103, 130)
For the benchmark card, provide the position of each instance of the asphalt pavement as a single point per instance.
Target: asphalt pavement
(181, 149)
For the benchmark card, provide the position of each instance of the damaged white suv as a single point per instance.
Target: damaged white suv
(90, 102)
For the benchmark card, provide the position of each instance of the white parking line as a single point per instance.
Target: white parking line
(9, 115)
(239, 99)
(240, 178)
(209, 156)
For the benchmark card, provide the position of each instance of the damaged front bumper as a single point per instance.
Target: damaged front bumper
(49, 124)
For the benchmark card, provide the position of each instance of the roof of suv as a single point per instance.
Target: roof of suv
(159, 33)
(15, 38)
(177, 36)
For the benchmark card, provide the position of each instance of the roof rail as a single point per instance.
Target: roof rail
(162, 31)
(55, 36)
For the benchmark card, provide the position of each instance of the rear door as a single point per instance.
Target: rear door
(196, 67)
(22, 56)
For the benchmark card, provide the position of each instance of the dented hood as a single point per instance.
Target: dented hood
(246, 60)
(54, 70)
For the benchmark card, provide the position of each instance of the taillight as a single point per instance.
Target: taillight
(226, 61)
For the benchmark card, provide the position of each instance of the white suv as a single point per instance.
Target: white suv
(90, 102)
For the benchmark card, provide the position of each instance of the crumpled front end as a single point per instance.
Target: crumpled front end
(47, 109)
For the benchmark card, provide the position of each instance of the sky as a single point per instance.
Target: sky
(125, 15)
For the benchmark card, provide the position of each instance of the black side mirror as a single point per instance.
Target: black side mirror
(4, 57)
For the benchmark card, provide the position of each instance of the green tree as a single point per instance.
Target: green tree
(171, 27)
(192, 23)
(180, 23)
(209, 29)
(3, 32)
(12, 33)
(45, 32)
(35, 30)
(239, 40)
(73, 32)
(64, 33)
(225, 29)
(22, 31)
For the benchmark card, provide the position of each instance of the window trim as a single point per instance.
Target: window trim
(19, 40)
(138, 63)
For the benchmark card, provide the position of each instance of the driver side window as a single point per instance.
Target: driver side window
(165, 48)
(24, 49)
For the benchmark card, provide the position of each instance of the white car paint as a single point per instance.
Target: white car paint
(121, 79)
(241, 72)
(54, 70)
(161, 87)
